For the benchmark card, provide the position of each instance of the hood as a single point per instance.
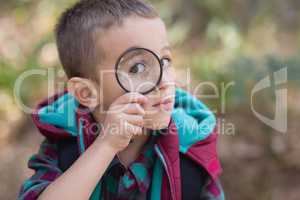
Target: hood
(57, 118)
(193, 120)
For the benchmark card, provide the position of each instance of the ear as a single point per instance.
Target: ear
(85, 91)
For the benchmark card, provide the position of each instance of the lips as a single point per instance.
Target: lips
(166, 104)
(164, 101)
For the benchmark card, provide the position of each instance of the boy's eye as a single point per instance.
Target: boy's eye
(166, 62)
(137, 68)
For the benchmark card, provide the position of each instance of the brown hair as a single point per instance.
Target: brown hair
(76, 28)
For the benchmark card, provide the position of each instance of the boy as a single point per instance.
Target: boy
(103, 142)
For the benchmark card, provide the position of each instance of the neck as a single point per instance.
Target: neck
(132, 151)
(140, 140)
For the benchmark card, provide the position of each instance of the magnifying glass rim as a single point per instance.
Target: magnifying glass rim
(133, 49)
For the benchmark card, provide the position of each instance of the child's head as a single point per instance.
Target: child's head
(92, 35)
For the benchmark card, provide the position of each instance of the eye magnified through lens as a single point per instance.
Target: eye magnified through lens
(139, 70)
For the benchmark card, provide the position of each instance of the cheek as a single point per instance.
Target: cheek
(171, 74)
(156, 118)
(109, 90)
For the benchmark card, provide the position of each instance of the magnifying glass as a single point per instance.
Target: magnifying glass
(139, 70)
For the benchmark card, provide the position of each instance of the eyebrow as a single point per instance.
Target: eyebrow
(125, 59)
(167, 47)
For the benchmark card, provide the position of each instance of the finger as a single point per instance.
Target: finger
(132, 129)
(136, 120)
(131, 97)
(131, 108)
(134, 108)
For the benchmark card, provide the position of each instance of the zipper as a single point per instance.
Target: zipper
(160, 155)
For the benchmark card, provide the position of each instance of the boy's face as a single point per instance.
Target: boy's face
(141, 32)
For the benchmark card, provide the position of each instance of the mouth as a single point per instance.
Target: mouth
(165, 104)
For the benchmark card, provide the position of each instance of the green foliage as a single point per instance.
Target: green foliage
(211, 36)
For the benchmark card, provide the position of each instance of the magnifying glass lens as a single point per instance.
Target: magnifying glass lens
(139, 70)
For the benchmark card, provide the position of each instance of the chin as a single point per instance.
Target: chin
(158, 120)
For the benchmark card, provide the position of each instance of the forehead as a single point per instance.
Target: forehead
(134, 31)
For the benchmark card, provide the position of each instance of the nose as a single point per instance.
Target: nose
(166, 80)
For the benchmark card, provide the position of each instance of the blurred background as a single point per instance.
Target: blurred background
(230, 44)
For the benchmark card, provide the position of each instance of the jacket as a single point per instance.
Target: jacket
(192, 132)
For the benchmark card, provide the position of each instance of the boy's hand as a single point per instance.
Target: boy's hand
(124, 119)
